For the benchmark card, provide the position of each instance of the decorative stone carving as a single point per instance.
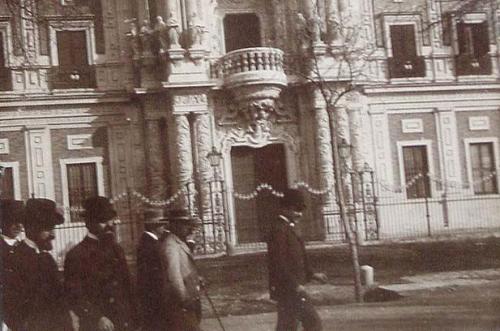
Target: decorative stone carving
(146, 35)
(196, 31)
(134, 39)
(173, 32)
(160, 31)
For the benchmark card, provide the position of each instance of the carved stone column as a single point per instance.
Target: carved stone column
(155, 171)
(203, 172)
(332, 23)
(325, 168)
(181, 158)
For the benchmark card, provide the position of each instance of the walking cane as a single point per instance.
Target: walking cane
(213, 308)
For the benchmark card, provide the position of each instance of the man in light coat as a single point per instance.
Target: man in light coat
(181, 280)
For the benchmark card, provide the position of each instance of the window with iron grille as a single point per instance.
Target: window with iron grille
(241, 31)
(405, 61)
(7, 184)
(484, 177)
(82, 184)
(416, 169)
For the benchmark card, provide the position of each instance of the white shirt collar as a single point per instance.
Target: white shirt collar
(287, 220)
(9, 241)
(92, 236)
(151, 234)
(32, 244)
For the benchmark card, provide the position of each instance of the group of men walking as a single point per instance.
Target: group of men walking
(96, 291)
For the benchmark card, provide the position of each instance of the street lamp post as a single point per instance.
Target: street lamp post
(215, 158)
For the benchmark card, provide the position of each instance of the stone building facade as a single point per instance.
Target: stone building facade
(127, 99)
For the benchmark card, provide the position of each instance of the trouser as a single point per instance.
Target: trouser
(291, 311)
(185, 319)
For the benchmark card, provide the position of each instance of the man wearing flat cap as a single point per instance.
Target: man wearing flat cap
(96, 275)
(181, 281)
(149, 273)
(289, 269)
(12, 219)
(42, 302)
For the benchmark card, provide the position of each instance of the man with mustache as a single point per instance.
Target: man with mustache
(41, 295)
(96, 275)
(12, 219)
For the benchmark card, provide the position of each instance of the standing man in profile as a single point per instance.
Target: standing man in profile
(41, 294)
(181, 281)
(12, 219)
(149, 272)
(289, 269)
(96, 275)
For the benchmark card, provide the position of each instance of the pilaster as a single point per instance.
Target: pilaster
(39, 161)
(448, 146)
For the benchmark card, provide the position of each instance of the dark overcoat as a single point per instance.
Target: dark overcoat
(287, 261)
(150, 284)
(97, 282)
(40, 290)
(8, 286)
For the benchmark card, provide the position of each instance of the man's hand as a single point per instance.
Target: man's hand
(105, 324)
(320, 277)
(301, 290)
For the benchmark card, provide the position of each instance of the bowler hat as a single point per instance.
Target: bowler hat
(98, 210)
(155, 215)
(181, 215)
(11, 212)
(42, 213)
(293, 198)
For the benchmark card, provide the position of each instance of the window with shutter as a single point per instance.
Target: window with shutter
(74, 70)
(5, 76)
(473, 49)
(405, 61)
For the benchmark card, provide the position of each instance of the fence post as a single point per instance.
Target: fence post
(130, 217)
(428, 216)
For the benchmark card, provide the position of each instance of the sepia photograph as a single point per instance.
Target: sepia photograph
(249, 165)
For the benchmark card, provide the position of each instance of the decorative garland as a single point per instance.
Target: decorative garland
(148, 201)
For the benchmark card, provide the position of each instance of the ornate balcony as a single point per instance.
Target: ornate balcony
(250, 67)
(70, 78)
(406, 68)
(469, 65)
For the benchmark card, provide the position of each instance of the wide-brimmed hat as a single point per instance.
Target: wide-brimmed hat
(42, 213)
(11, 212)
(293, 198)
(98, 210)
(182, 215)
(155, 215)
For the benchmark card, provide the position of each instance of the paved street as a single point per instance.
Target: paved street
(468, 300)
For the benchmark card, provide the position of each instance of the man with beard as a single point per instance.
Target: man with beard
(149, 275)
(12, 219)
(181, 281)
(96, 275)
(42, 306)
(289, 269)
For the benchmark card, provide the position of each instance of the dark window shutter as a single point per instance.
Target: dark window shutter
(7, 183)
(462, 40)
(403, 41)
(72, 49)
(82, 184)
(481, 39)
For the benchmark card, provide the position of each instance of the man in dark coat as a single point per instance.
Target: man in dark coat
(181, 281)
(149, 272)
(96, 275)
(12, 219)
(42, 303)
(289, 269)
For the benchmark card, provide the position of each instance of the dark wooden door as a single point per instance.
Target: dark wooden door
(252, 167)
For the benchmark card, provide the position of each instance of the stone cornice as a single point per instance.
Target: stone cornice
(429, 88)
(8, 100)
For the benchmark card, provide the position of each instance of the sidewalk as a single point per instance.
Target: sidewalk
(461, 300)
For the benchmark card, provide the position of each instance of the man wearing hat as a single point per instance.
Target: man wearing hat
(180, 276)
(149, 272)
(289, 269)
(42, 302)
(12, 219)
(96, 275)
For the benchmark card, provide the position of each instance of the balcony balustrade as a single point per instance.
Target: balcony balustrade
(406, 68)
(5, 79)
(469, 65)
(251, 66)
(71, 78)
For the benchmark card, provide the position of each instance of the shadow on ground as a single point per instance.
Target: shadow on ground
(238, 284)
